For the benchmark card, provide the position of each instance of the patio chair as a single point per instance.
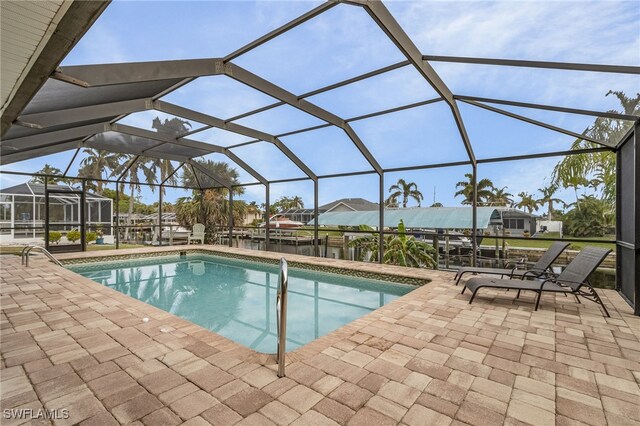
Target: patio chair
(197, 233)
(573, 279)
(541, 268)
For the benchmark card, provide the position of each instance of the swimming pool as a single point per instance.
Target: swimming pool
(236, 298)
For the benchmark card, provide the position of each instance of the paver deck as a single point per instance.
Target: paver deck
(426, 358)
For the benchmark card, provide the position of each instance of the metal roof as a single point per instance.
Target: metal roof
(417, 217)
(35, 188)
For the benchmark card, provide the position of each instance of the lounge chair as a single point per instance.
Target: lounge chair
(573, 279)
(197, 233)
(541, 268)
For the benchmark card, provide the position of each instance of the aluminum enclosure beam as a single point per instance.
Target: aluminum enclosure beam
(399, 37)
(234, 128)
(342, 83)
(620, 69)
(134, 131)
(92, 112)
(281, 30)
(133, 72)
(537, 123)
(208, 173)
(264, 86)
(46, 139)
(607, 114)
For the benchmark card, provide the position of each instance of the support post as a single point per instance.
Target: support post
(381, 222)
(83, 219)
(628, 219)
(46, 213)
(474, 230)
(117, 216)
(266, 215)
(316, 248)
(230, 218)
(159, 234)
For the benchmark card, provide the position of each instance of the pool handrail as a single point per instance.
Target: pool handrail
(281, 314)
(27, 252)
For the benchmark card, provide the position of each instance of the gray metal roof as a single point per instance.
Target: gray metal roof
(417, 217)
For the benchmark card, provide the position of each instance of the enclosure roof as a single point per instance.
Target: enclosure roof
(34, 188)
(82, 107)
(416, 217)
(356, 204)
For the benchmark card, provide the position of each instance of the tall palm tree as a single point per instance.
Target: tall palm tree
(99, 164)
(172, 127)
(48, 169)
(548, 198)
(527, 202)
(210, 206)
(406, 190)
(485, 190)
(500, 197)
(142, 166)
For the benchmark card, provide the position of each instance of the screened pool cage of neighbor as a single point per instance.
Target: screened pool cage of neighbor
(83, 107)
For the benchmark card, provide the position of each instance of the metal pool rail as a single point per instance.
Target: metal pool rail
(281, 314)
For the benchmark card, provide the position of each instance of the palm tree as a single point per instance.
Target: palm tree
(99, 164)
(48, 170)
(500, 197)
(399, 249)
(573, 171)
(527, 202)
(173, 127)
(391, 202)
(131, 175)
(407, 191)
(485, 190)
(548, 199)
(210, 206)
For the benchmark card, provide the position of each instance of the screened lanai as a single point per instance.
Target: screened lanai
(265, 128)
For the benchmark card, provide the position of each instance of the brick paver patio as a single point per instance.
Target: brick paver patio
(425, 358)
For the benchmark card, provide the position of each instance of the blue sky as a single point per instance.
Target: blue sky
(345, 42)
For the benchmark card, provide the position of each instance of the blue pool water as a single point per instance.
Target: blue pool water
(236, 298)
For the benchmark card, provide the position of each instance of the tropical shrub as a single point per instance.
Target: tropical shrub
(588, 218)
(73, 235)
(54, 237)
(91, 236)
(400, 249)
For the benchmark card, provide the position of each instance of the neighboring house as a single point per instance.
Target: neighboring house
(349, 205)
(517, 221)
(22, 212)
(341, 205)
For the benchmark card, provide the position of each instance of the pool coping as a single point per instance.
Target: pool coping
(245, 353)
(349, 270)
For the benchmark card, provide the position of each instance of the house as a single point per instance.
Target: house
(341, 205)
(516, 222)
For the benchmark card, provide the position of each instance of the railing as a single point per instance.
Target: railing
(27, 251)
(281, 314)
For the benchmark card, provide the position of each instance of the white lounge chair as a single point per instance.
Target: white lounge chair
(197, 233)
